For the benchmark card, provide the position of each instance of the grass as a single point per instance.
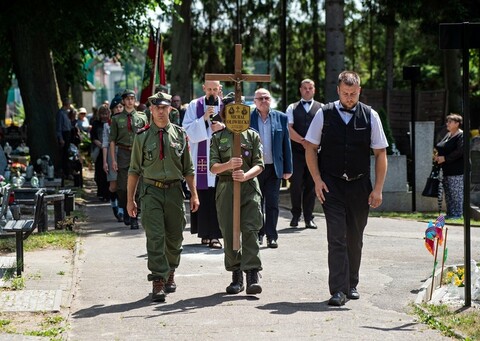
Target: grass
(47, 325)
(452, 322)
(421, 216)
(57, 239)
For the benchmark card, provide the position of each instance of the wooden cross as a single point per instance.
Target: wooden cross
(238, 77)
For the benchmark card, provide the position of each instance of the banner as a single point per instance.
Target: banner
(154, 65)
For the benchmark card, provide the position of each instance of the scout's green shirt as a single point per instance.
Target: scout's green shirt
(221, 149)
(119, 129)
(145, 160)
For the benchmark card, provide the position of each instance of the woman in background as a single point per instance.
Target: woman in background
(116, 107)
(450, 158)
(96, 135)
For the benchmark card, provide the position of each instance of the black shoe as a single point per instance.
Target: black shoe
(237, 283)
(260, 240)
(272, 244)
(294, 221)
(115, 211)
(338, 299)
(310, 224)
(126, 219)
(120, 217)
(134, 224)
(353, 294)
(253, 287)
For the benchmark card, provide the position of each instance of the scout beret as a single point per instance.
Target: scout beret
(128, 92)
(115, 101)
(160, 98)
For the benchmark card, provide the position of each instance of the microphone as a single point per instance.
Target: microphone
(210, 101)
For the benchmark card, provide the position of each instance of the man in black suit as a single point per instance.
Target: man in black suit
(302, 188)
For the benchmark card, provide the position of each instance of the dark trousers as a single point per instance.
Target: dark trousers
(346, 213)
(100, 178)
(302, 188)
(205, 221)
(67, 137)
(270, 187)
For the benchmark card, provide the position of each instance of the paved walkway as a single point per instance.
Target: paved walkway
(107, 297)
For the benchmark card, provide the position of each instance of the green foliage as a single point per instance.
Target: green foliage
(449, 321)
(17, 283)
(52, 239)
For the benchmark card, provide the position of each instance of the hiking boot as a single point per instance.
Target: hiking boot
(253, 287)
(170, 286)
(237, 283)
(158, 293)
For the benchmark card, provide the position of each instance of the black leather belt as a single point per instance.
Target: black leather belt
(162, 184)
(346, 178)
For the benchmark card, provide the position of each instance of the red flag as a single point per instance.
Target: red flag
(149, 71)
(161, 68)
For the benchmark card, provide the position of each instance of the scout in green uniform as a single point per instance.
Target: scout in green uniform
(122, 132)
(251, 164)
(161, 157)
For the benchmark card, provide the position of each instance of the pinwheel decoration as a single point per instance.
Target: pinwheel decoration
(435, 236)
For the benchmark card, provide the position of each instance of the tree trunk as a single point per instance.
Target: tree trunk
(316, 49)
(180, 74)
(33, 66)
(335, 46)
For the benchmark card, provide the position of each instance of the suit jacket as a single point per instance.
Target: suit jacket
(282, 150)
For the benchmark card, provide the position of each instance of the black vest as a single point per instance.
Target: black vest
(345, 148)
(301, 122)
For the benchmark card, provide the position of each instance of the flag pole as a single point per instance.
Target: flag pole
(434, 268)
(155, 64)
(444, 255)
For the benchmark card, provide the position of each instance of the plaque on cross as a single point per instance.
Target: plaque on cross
(237, 121)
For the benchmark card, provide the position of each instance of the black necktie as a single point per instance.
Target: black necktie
(307, 102)
(350, 111)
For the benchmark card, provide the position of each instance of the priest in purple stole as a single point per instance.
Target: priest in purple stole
(200, 122)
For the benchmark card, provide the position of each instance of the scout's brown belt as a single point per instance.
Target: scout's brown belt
(162, 184)
(124, 147)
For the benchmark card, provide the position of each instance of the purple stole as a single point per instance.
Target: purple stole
(202, 162)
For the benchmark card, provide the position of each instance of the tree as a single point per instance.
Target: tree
(181, 47)
(58, 33)
(335, 46)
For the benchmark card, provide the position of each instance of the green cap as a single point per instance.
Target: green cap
(128, 92)
(160, 98)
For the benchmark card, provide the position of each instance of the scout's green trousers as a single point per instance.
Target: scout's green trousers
(163, 218)
(248, 257)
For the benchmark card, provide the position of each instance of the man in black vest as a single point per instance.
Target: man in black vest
(302, 188)
(346, 130)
